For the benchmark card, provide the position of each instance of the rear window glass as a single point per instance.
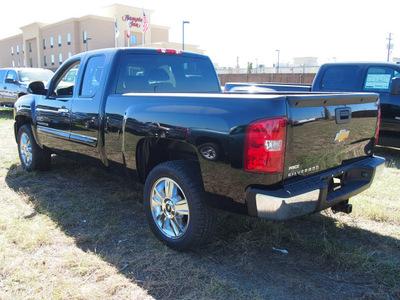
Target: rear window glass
(379, 79)
(147, 73)
(340, 78)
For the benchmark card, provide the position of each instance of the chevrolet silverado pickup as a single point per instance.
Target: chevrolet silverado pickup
(160, 117)
(14, 82)
(381, 78)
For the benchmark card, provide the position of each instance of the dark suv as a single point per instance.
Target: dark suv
(14, 82)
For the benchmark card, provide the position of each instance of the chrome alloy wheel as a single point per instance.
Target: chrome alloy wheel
(208, 152)
(169, 208)
(25, 148)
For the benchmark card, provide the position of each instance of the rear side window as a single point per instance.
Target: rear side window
(153, 73)
(340, 78)
(379, 79)
(92, 76)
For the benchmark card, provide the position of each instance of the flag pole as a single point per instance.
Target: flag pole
(116, 32)
(143, 36)
(128, 33)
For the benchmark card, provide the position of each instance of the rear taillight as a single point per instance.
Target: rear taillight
(264, 148)
(377, 127)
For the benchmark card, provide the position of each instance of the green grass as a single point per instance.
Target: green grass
(79, 233)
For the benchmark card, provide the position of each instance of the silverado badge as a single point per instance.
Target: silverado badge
(342, 135)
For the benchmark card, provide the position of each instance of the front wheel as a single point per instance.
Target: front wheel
(31, 155)
(175, 207)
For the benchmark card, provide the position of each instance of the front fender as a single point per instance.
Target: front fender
(24, 113)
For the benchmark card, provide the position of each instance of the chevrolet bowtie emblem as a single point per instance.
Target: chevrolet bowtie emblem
(342, 135)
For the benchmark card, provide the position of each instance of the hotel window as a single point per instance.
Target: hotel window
(52, 59)
(51, 42)
(17, 49)
(31, 62)
(44, 44)
(45, 61)
(23, 50)
(19, 63)
(12, 50)
(69, 38)
(59, 41)
(13, 64)
(30, 47)
(84, 37)
(60, 58)
(69, 54)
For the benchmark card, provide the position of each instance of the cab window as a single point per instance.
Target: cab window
(154, 73)
(92, 76)
(64, 86)
(379, 79)
(340, 78)
(12, 76)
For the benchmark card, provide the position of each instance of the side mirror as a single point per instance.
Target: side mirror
(395, 87)
(10, 80)
(37, 88)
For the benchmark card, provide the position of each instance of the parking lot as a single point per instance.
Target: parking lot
(79, 233)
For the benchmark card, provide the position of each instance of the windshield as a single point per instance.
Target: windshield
(35, 75)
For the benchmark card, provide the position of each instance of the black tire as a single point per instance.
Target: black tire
(32, 157)
(178, 215)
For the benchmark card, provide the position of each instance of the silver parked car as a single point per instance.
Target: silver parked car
(14, 82)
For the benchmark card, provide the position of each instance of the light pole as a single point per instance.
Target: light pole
(277, 66)
(183, 33)
(87, 39)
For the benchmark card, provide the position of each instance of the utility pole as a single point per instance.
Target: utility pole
(183, 33)
(389, 46)
(277, 66)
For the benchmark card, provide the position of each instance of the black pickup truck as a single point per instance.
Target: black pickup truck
(377, 77)
(160, 117)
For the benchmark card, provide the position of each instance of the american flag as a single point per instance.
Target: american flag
(128, 31)
(145, 23)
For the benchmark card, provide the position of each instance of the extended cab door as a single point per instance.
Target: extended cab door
(378, 79)
(53, 111)
(85, 112)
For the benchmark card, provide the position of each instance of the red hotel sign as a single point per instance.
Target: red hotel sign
(133, 22)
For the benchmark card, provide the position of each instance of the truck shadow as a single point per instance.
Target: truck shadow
(103, 214)
(392, 156)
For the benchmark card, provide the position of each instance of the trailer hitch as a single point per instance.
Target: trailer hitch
(342, 207)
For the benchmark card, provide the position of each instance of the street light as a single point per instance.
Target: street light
(277, 66)
(183, 33)
(87, 39)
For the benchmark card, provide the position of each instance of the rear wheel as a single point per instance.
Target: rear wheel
(31, 155)
(175, 207)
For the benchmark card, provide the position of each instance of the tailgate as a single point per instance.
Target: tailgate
(329, 130)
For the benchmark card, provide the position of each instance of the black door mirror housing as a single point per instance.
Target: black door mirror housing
(37, 88)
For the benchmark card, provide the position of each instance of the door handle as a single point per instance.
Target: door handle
(63, 110)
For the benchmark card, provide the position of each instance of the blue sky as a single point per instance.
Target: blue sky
(252, 30)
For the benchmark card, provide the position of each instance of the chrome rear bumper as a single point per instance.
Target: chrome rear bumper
(314, 193)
